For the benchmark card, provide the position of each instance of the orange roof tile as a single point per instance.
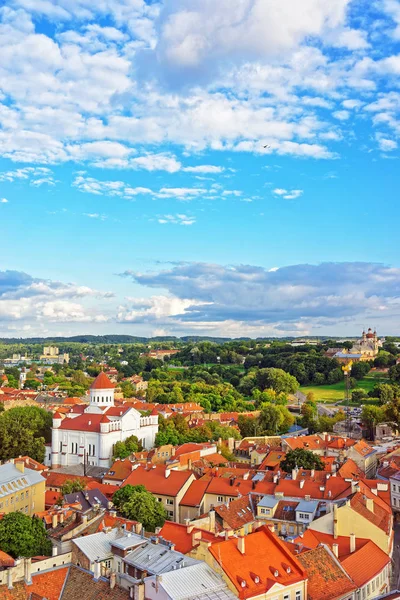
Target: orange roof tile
(6, 560)
(362, 448)
(350, 470)
(364, 564)
(195, 493)
(312, 539)
(119, 470)
(49, 584)
(183, 537)
(156, 481)
(380, 517)
(326, 579)
(237, 513)
(265, 562)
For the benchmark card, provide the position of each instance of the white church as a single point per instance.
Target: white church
(91, 435)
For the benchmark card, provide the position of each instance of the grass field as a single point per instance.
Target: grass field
(335, 392)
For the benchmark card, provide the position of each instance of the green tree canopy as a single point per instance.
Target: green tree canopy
(274, 419)
(135, 502)
(24, 431)
(72, 485)
(277, 380)
(127, 447)
(302, 459)
(23, 536)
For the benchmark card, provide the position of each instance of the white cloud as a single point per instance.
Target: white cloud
(3, 201)
(342, 115)
(288, 194)
(204, 169)
(178, 219)
(98, 216)
(385, 144)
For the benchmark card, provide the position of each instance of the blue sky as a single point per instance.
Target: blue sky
(136, 195)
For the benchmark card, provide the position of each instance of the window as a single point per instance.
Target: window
(170, 514)
(170, 502)
(394, 502)
(74, 448)
(60, 446)
(286, 596)
(231, 499)
(298, 595)
(220, 498)
(304, 516)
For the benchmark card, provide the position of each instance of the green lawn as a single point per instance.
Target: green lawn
(335, 392)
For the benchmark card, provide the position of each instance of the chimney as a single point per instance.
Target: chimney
(369, 504)
(312, 472)
(352, 542)
(196, 537)
(54, 521)
(54, 551)
(113, 579)
(20, 465)
(211, 516)
(9, 579)
(294, 473)
(167, 473)
(240, 545)
(96, 570)
(335, 521)
(27, 571)
(138, 528)
(335, 549)
(301, 483)
(189, 464)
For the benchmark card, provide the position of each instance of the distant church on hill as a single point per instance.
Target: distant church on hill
(368, 346)
(92, 434)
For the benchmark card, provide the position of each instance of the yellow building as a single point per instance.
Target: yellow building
(21, 489)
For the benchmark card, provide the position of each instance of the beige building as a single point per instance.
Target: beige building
(51, 356)
(21, 489)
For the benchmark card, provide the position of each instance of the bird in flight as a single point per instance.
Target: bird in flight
(267, 146)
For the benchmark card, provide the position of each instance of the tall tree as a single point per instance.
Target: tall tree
(302, 459)
(140, 505)
(25, 536)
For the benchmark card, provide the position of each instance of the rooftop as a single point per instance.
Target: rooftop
(102, 382)
(326, 578)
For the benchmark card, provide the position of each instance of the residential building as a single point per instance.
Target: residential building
(196, 582)
(167, 485)
(21, 489)
(327, 579)
(289, 516)
(259, 565)
(365, 457)
(51, 356)
(91, 435)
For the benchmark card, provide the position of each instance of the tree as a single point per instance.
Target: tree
(24, 431)
(140, 505)
(248, 425)
(302, 459)
(360, 369)
(358, 394)
(371, 416)
(127, 389)
(274, 419)
(24, 536)
(309, 415)
(276, 379)
(127, 447)
(385, 392)
(394, 373)
(71, 486)
(392, 411)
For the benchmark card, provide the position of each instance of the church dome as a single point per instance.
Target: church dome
(370, 334)
(102, 382)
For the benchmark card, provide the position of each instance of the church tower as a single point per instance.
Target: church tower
(102, 392)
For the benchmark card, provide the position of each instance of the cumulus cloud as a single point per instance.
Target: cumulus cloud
(30, 299)
(288, 194)
(317, 294)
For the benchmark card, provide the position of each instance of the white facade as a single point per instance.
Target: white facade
(92, 435)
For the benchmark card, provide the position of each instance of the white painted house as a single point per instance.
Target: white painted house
(93, 433)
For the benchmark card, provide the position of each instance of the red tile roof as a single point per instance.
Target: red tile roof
(49, 584)
(183, 536)
(312, 539)
(362, 448)
(57, 480)
(236, 513)
(195, 493)
(265, 562)
(155, 480)
(6, 560)
(119, 470)
(326, 579)
(102, 382)
(380, 517)
(190, 447)
(364, 564)
(85, 422)
(350, 470)
(107, 489)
